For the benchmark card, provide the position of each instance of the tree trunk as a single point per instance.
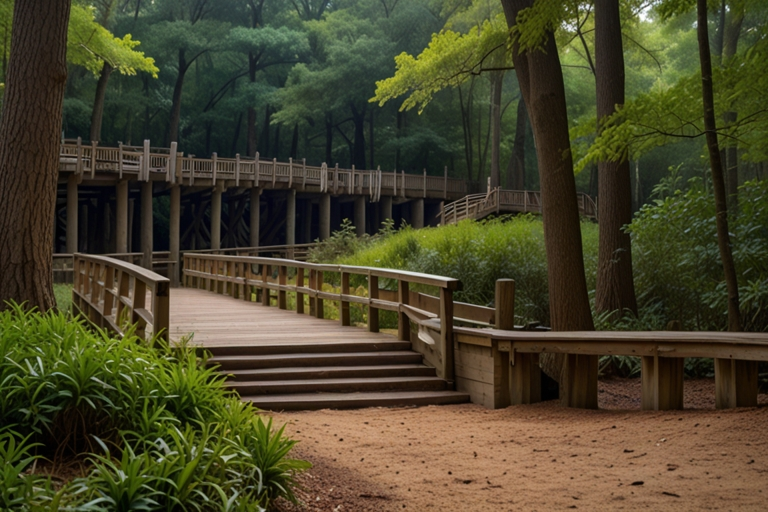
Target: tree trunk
(30, 130)
(370, 140)
(98, 103)
(497, 81)
(328, 139)
(236, 135)
(516, 167)
(264, 142)
(399, 126)
(173, 126)
(615, 286)
(716, 165)
(295, 141)
(358, 146)
(541, 83)
(731, 33)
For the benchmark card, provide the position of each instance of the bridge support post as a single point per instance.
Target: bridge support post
(417, 213)
(386, 208)
(290, 218)
(146, 224)
(174, 229)
(325, 216)
(359, 215)
(306, 217)
(580, 386)
(255, 219)
(121, 213)
(216, 218)
(72, 213)
(735, 383)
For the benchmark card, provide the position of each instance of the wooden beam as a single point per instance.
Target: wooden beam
(662, 383)
(735, 383)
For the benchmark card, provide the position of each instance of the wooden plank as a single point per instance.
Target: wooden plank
(662, 383)
(735, 383)
(525, 379)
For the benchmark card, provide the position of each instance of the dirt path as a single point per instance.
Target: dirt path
(539, 457)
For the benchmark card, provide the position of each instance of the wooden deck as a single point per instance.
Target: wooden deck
(221, 321)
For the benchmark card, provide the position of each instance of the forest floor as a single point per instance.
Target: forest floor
(536, 457)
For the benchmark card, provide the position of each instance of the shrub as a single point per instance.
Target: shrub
(156, 425)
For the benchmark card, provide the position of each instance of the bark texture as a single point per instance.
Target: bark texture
(716, 165)
(29, 151)
(615, 286)
(541, 83)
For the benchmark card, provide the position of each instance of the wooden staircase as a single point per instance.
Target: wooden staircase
(341, 375)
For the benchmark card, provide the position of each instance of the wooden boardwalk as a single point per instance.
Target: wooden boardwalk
(221, 321)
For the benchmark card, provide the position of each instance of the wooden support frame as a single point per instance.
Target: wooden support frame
(662, 383)
(735, 383)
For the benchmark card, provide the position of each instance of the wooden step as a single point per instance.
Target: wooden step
(310, 348)
(315, 401)
(333, 372)
(272, 387)
(390, 357)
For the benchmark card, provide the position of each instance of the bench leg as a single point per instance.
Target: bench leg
(524, 379)
(580, 388)
(662, 386)
(735, 383)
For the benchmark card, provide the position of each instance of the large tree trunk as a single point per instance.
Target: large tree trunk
(615, 287)
(731, 32)
(29, 151)
(541, 83)
(497, 81)
(516, 167)
(98, 103)
(718, 182)
(173, 127)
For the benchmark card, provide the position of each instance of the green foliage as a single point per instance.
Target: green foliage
(687, 282)
(63, 294)
(156, 425)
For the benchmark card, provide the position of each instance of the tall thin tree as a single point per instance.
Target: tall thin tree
(615, 287)
(29, 150)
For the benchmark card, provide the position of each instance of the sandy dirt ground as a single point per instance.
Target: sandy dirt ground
(539, 457)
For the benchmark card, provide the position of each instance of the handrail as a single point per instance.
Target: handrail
(113, 294)
(64, 266)
(143, 162)
(243, 276)
(298, 252)
(477, 206)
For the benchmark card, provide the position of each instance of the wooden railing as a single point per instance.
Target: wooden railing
(114, 295)
(141, 163)
(250, 278)
(63, 263)
(298, 252)
(495, 201)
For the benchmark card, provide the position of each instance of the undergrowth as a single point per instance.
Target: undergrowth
(152, 426)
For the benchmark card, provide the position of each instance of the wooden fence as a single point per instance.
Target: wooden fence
(114, 295)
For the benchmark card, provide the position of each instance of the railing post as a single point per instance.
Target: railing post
(282, 301)
(264, 289)
(373, 312)
(446, 335)
(319, 310)
(161, 302)
(299, 295)
(403, 322)
(343, 304)
(312, 286)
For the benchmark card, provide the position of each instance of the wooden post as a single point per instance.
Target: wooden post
(299, 295)
(290, 218)
(274, 171)
(174, 230)
(146, 223)
(290, 172)
(336, 179)
(446, 335)
(424, 188)
(216, 218)
(580, 388)
(662, 383)
(445, 182)
(373, 312)
(360, 215)
(319, 310)
(403, 322)
(79, 160)
(170, 172)
(312, 286)
(255, 206)
(72, 214)
(402, 183)
(344, 304)
(120, 162)
(282, 300)
(325, 216)
(145, 160)
(417, 213)
(94, 144)
(214, 167)
(304, 174)
(735, 383)
(264, 289)
(161, 306)
(237, 169)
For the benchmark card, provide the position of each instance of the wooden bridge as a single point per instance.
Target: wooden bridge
(497, 201)
(293, 356)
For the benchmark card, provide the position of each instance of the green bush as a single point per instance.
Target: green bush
(155, 424)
